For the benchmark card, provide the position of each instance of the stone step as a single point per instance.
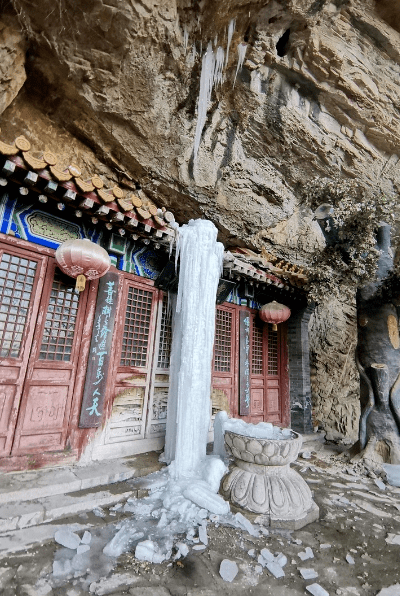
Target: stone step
(37, 484)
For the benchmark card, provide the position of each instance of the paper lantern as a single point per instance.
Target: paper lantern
(274, 313)
(82, 259)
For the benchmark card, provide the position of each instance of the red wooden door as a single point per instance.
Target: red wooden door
(225, 362)
(55, 356)
(22, 277)
(131, 370)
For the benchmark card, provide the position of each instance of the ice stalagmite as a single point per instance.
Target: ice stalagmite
(192, 347)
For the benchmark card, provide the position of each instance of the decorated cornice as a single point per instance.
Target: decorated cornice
(40, 172)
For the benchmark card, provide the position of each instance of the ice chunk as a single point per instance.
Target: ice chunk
(392, 473)
(308, 573)
(267, 555)
(326, 545)
(390, 591)
(280, 559)
(82, 548)
(350, 560)
(262, 430)
(275, 569)
(380, 484)
(206, 499)
(258, 569)
(228, 570)
(149, 551)
(307, 554)
(212, 471)
(251, 552)
(86, 538)
(67, 538)
(393, 538)
(219, 441)
(99, 512)
(183, 550)
(203, 533)
(317, 590)
(122, 539)
(62, 567)
(199, 547)
(244, 523)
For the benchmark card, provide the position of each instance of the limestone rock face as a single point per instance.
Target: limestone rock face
(318, 94)
(12, 61)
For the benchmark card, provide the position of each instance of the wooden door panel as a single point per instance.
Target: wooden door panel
(49, 385)
(225, 361)
(22, 276)
(131, 371)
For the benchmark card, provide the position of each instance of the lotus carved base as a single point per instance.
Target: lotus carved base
(262, 483)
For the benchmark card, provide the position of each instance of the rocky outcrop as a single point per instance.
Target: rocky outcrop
(317, 96)
(12, 61)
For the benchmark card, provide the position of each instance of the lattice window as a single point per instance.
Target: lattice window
(257, 349)
(17, 276)
(135, 342)
(59, 328)
(272, 351)
(223, 341)
(164, 347)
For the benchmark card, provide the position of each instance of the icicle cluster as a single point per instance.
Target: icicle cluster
(242, 47)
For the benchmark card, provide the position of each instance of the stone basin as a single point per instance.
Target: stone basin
(267, 452)
(261, 484)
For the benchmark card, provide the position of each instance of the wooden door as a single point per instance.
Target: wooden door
(55, 356)
(225, 361)
(131, 370)
(22, 276)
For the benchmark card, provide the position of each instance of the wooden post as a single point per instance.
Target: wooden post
(244, 363)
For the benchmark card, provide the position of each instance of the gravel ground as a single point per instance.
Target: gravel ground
(354, 546)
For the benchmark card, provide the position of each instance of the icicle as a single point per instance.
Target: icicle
(215, 41)
(194, 53)
(242, 47)
(219, 65)
(231, 29)
(206, 85)
(185, 39)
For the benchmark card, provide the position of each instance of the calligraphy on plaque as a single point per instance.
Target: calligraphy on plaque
(244, 363)
(100, 351)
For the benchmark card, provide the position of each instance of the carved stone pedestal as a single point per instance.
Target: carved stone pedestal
(262, 483)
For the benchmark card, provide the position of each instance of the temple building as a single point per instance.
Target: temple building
(84, 375)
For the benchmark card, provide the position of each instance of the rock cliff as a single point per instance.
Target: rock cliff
(318, 94)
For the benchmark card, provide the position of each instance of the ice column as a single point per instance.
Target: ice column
(192, 347)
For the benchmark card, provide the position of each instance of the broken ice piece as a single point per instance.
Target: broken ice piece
(307, 554)
(267, 555)
(275, 569)
(380, 484)
(206, 499)
(390, 591)
(280, 559)
(306, 455)
(67, 538)
(199, 547)
(308, 573)
(350, 560)
(258, 569)
(251, 552)
(393, 539)
(82, 548)
(86, 538)
(149, 551)
(297, 541)
(203, 533)
(62, 567)
(326, 545)
(317, 590)
(99, 512)
(183, 550)
(228, 570)
(246, 524)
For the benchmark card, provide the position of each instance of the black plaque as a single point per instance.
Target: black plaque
(244, 363)
(100, 351)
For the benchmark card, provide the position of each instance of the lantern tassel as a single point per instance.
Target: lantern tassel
(80, 283)
(274, 327)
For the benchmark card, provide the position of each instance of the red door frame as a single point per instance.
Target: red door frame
(76, 438)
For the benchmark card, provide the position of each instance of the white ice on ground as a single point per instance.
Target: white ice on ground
(86, 538)
(228, 570)
(150, 551)
(82, 548)
(122, 539)
(242, 47)
(350, 560)
(317, 590)
(390, 591)
(245, 524)
(67, 538)
(393, 538)
(307, 554)
(275, 569)
(392, 474)
(203, 532)
(231, 29)
(308, 573)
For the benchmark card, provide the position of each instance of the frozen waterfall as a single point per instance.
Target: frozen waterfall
(192, 347)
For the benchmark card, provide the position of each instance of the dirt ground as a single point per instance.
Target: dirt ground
(358, 518)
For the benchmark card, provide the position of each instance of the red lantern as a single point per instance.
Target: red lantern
(82, 259)
(274, 313)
